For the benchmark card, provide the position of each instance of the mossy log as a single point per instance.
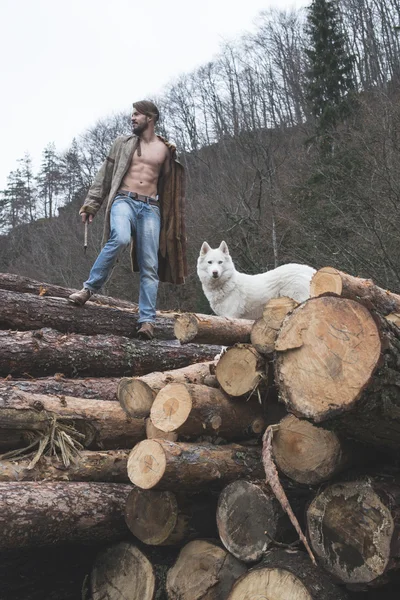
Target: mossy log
(265, 330)
(284, 575)
(167, 518)
(46, 351)
(310, 455)
(209, 329)
(330, 280)
(177, 465)
(354, 529)
(250, 519)
(44, 513)
(203, 571)
(240, 370)
(25, 312)
(102, 424)
(99, 388)
(136, 394)
(336, 362)
(17, 283)
(89, 465)
(192, 410)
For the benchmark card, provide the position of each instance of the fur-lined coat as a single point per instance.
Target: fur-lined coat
(172, 263)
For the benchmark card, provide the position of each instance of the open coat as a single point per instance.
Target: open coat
(172, 261)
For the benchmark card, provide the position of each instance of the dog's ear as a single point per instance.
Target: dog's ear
(204, 249)
(224, 247)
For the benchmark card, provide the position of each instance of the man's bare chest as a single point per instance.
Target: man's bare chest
(151, 155)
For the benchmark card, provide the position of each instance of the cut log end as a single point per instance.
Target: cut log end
(135, 397)
(240, 370)
(151, 515)
(269, 583)
(152, 432)
(146, 464)
(326, 280)
(122, 571)
(329, 349)
(171, 407)
(351, 530)
(265, 330)
(304, 452)
(186, 328)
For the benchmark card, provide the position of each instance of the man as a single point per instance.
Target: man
(144, 186)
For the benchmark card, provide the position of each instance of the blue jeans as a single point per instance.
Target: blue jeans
(132, 218)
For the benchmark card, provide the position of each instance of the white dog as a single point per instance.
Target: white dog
(238, 295)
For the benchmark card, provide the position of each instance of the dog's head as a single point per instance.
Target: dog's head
(214, 263)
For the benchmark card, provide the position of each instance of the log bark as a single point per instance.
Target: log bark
(103, 425)
(25, 312)
(46, 351)
(168, 464)
(209, 329)
(17, 283)
(167, 518)
(44, 513)
(330, 280)
(240, 370)
(122, 571)
(282, 575)
(192, 410)
(338, 363)
(203, 571)
(354, 529)
(250, 519)
(101, 388)
(136, 394)
(309, 454)
(107, 466)
(265, 330)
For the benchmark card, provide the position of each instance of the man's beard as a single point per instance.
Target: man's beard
(138, 129)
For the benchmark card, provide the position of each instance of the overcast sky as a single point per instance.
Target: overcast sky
(67, 63)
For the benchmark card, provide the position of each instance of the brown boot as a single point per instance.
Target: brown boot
(80, 298)
(146, 331)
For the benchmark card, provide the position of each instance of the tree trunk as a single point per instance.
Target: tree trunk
(240, 370)
(46, 351)
(265, 330)
(166, 518)
(17, 283)
(335, 358)
(250, 518)
(208, 329)
(122, 571)
(102, 388)
(192, 410)
(89, 465)
(26, 312)
(309, 454)
(354, 529)
(44, 513)
(330, 280)
(101, 425)
(282, 575)
(136, 394)
(203, 571)
(153, 433)
(168, 464)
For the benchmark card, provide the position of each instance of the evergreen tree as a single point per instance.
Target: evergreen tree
(329, 81)
(49, 180)
(29, 189)
(14, 209)
(71, 173)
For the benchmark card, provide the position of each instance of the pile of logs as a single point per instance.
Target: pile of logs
(185, 468)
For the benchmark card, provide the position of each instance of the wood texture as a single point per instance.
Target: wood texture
(100, 388)
(265, 330)
(240, 370)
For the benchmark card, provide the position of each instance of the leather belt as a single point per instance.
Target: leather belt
(140, 197)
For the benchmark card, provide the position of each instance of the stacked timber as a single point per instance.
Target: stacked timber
(190, 467)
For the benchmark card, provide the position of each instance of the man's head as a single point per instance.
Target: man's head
(144, 114)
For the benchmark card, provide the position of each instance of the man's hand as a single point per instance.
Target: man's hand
(86, 216)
